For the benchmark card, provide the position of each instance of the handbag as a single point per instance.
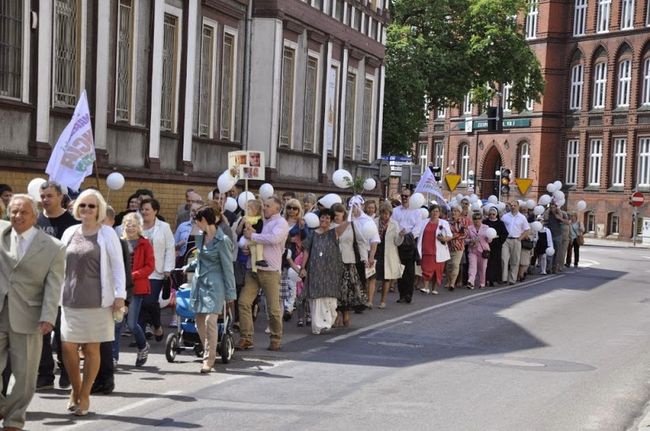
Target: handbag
(527, 244)
(359, 264)
(485, 254)
(580, 239)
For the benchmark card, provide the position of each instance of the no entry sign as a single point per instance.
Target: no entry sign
(637, 199)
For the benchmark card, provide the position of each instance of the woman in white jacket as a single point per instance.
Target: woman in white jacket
(94, 287)
(162, 239)
(388, 266)
(433, 235)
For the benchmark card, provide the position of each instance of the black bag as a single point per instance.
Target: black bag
(485, 254)
(359, 264)
(527, 244)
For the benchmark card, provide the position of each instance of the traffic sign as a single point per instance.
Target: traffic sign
(637, 199)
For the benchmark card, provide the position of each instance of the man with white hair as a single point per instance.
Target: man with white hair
(32, 263)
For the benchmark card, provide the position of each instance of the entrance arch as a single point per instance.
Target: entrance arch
(489, 182)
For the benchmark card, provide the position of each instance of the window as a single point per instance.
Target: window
(577, 73)
(531, 19)
(331, 109)
(572, 162)
(368, 91)
(311, 94)
(600, 85)
(170, 60)
(595, 158)
(627, 14)
(590, 223)
(206, 74)
(506, 103)
(350, 105)
(464, 163)
(439, 155)
(467, 104)
(643, 165)
(318, 4)
(286, 113)
(612, 224)
(66, 71)
(11, 48)
(124, 63)
(602, 24)
(647, 15)
(424, 154)
(228, 79)
(579, 17)
(338, 9)
(356, 23)
(530, 104)
(624, 79)
(645, 97)
(524, 159)
(441, 112)
(618, 162)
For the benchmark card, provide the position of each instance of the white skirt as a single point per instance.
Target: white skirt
(87, 325)
(323, 313)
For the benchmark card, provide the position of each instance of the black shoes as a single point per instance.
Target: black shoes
(261, 263)
(64, 381)
(44, 384)
(105, 388)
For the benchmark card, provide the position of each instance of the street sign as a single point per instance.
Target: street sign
(637, 199)
(523, 184)
(452, 181)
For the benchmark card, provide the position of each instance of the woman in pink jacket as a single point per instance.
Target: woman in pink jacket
(479, 245)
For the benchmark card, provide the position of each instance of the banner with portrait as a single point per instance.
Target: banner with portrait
(249, 164)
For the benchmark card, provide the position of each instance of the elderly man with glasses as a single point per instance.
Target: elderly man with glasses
(408, 220)
(518, 229)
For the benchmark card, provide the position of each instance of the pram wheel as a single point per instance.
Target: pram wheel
(226, 348)
(171, 347)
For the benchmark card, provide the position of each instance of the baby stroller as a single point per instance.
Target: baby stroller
(186, 336)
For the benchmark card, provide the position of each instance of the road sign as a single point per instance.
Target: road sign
(523, 184)
(637, 199)
(452, 181)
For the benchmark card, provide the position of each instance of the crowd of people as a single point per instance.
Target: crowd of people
(73, 268)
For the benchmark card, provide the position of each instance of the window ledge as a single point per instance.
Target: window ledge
(616, 189)
(620, 109)
(644, 108)
(597, 111)
(593, 188)
(643, 189)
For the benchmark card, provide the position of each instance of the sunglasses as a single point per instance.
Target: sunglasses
(91, 206)
(292, 208)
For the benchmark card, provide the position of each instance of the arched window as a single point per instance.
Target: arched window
(524, 159)
(577, 81)
(645, 92)
(624, 81)
(600, 85)
(464, 163)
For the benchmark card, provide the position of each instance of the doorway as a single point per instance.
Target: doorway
(489, 182)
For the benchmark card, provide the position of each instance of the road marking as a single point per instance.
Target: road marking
(444, 304)
(393, 344)
(514, 362)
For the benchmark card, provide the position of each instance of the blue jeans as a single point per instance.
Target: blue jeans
(132, 324)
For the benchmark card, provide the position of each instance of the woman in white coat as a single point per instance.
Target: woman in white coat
(387, 263)
(433, 235)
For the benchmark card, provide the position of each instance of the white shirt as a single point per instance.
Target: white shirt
(408, 219)
(27, 238)
(516, 225)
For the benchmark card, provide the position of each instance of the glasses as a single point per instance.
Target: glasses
(292, 208)
(406, 196)
(91, 206)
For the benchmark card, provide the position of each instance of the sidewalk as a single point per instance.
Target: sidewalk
(613, 243)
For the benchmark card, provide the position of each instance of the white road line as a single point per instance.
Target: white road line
(444, 304)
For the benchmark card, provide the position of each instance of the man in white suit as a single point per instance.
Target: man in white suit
(31, 277)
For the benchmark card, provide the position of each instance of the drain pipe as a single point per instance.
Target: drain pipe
(247, 75)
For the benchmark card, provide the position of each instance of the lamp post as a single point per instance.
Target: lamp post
(498, 175)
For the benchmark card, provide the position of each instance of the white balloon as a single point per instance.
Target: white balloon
(342, 178)
(369, 184)
(330, 199)
(417, 200)
(544, 200)
(34, 188)
(115, 181)
(538, 210)
(486, 209)
(459, 197)
(550, 251)
(557, 184)
(560, 203)
(243, 198)
(536, 226)
(581, 205)
(226, 182)
(424, 213)
(311, 220)
(476, 206)
(211, 195)
(501, 206)
(530, 203)
(558, 195)
(493, 199)
(491, 233)
(473, 198)
(550, 187)
(266, 191)
(369, 230)
(230, 204)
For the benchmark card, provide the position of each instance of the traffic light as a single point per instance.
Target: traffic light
(495, 119)
(505, 180)
(436, 172)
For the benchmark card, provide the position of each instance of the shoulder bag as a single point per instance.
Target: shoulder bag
(361, 267)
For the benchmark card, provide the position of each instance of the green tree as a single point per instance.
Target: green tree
(437, 51)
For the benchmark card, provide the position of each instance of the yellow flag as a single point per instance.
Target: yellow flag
(452, 181)
(523, 184)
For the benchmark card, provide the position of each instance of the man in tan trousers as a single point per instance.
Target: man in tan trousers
(31, 277)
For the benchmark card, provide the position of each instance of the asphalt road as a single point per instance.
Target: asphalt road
(560, 352)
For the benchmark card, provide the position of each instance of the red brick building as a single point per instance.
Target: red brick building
(591, 128)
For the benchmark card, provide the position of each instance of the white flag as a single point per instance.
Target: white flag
(74, 154)
(428, 184)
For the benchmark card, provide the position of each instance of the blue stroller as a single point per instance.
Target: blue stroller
(186, 336)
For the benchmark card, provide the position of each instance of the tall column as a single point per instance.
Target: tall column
(344, 84)
(44, 84)
(156, 79)
(380, 106)
(101, 84)
(189, 81)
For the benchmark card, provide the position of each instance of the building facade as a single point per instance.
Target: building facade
(174, 85)
(591, 128)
